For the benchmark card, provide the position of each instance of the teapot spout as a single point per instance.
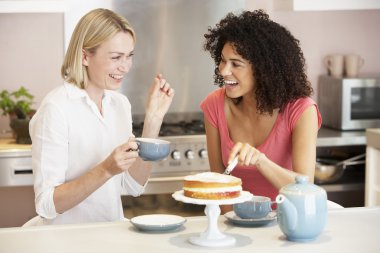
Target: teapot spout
(286, 212)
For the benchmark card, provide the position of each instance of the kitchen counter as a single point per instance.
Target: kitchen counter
(9, 147)
(347, 230)
(8, 143)
(373, 137)
(328, 137)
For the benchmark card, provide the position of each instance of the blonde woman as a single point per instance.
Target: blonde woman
(84, 153)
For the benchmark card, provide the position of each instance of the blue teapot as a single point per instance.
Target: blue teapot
(301, 210)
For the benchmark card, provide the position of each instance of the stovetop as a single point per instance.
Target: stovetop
(188, 149)
(175, 124)
(193, 127)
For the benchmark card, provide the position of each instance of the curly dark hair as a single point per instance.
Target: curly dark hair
(275, 55)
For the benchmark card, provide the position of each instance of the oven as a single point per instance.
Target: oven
(188, 155)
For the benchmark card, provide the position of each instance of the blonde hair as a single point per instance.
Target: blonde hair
(93, 29)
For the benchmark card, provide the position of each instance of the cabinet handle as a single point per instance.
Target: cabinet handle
(23, 171)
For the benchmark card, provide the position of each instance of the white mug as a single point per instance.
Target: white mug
(335, 64)
(352, 64)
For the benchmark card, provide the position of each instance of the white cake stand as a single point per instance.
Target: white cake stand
(212, 237)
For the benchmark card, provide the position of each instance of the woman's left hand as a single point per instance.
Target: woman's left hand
(160, 98)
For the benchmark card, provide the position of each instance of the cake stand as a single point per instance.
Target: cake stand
(212, 237)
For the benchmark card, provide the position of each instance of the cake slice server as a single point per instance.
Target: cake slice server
(231, 166)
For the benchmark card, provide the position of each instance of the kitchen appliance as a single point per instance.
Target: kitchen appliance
(188, 155)
(349, 103)
(188, 151)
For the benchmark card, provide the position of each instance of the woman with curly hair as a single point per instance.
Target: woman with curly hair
(262, 111)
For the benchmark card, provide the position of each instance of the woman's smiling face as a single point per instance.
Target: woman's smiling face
(110, 62)
(237, 72)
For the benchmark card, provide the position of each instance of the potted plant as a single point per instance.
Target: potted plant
(18, 106)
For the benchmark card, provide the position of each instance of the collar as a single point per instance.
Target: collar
(74, 92)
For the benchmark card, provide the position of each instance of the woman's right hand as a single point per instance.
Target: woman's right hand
(247, 155)
(121, 158)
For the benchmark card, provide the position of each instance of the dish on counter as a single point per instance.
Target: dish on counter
(157, 222)
(232, 217)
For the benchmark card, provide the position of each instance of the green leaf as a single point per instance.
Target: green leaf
(20, 98)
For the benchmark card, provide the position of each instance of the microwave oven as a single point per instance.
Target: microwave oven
(349, 103)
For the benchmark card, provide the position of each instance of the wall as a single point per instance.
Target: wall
(160, 49)
(37, 34)
(31, 49)
(37, 66)
(325, 32)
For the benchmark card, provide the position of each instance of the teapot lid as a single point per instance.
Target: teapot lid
(301, 186)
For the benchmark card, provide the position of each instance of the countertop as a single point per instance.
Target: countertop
(326, 137)
(373, 137)
(332, 137)
(9, 148)
(347, 230)
(8, 143)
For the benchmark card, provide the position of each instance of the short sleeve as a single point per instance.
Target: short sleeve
(211, 106)
(295, 109)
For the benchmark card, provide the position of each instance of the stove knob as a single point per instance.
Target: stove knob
(203, 153)
(176, 155)
(189, 154)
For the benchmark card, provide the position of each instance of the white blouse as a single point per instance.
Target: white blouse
(69, 137)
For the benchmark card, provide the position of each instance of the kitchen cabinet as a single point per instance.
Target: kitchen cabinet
(325, 5)
(372, 180)
(16, 180)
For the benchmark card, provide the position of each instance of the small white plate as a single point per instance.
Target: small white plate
(232, 217)
(158, 222)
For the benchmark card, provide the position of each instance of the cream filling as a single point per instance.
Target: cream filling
(211, 177)
(214, 190)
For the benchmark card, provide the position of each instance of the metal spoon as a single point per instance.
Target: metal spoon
(231, 166)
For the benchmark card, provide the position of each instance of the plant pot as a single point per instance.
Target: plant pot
(21, 129)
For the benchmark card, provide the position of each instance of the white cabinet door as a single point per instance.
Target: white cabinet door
(372, 181)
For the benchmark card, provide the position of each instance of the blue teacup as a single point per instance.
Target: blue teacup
(255, 208)
(153, 149)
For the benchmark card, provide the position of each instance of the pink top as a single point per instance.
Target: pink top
(277, 147)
